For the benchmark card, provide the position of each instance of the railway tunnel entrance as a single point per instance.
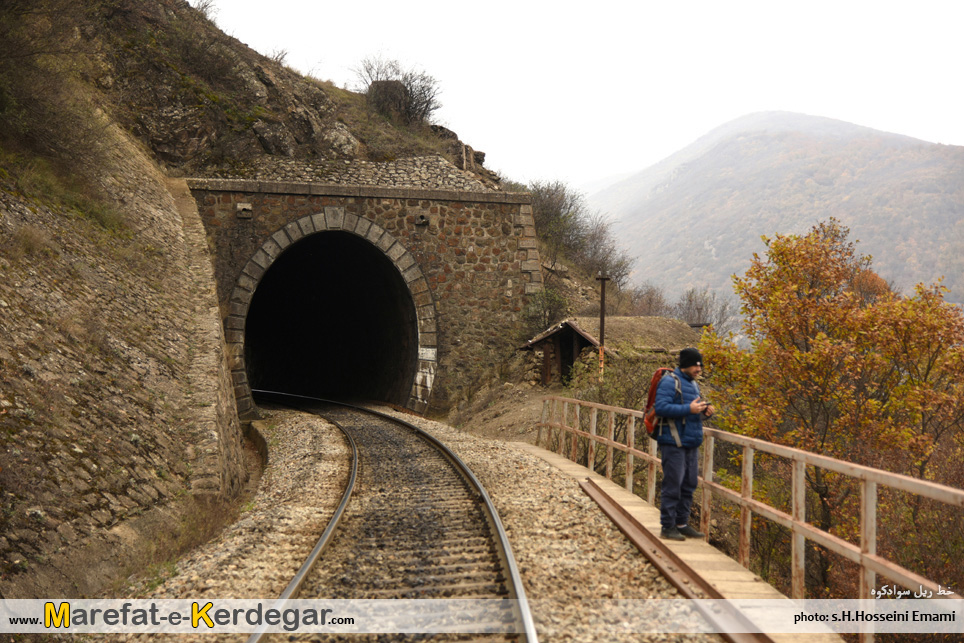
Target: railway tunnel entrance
(332, 317)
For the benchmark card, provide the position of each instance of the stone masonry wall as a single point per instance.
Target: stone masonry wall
(429, 172)
(476, 253)
(215, 452)
(118, 427)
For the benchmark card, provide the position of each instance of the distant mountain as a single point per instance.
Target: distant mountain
(696, 218)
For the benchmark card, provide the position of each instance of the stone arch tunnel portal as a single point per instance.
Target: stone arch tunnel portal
(332, 317)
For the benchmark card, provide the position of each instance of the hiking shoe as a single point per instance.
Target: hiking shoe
(671, 534)
(689, 532)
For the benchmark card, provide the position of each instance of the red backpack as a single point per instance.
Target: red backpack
(650, 419)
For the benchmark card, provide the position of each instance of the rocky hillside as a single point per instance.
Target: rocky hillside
(206, 104)
(696, 218)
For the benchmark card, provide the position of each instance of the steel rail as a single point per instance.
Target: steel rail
(294, 587)
(683, 577)
(504, 549)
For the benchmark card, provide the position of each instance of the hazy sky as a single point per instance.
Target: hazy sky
(580, 91)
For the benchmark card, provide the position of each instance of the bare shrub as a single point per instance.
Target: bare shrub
(701, 306)
(600, 253)
(543, 309)
(199, 48)
(423, 95)
(567, 228)
(279, 56)
(30, 240)
(41, 52)
(647, 300)
(207, 8)
(412, 104)
(389, 98)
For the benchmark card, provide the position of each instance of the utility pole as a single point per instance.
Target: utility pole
(602, 279)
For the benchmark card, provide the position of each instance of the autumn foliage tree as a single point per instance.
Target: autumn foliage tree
(841, 365)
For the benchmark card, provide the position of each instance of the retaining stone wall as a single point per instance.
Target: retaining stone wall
(118, 429)
(425, 172)
(216, 452)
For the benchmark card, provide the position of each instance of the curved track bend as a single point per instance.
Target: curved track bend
(418, 524)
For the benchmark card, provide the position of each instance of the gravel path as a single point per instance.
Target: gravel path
(568, 552)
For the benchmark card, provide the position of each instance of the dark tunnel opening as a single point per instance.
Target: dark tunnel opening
(333, 318)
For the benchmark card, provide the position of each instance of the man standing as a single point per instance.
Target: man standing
(681, 410)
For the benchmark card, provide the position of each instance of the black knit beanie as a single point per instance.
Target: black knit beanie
(690, 357)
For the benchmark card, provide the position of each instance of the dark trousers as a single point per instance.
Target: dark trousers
(680, 478)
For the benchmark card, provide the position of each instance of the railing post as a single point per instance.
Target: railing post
(868, 546)
(609, 447)
(553, 420)
(868, 534)
(708, 445)
(631, 444)
(651, 474)
(545, 416)
(591, 451)
(575, 436)
(562, 428)
(746, 515)
(798, 500)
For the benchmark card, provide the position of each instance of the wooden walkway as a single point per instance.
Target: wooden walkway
(730, 578)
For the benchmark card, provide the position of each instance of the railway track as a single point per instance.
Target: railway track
(734, 627)
(414, 523)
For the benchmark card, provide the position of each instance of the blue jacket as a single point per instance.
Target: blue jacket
(668, 405)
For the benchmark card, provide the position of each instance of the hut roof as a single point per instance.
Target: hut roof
(636, 335)
(629, 336)
(561, 326)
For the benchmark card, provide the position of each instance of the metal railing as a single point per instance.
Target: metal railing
(562, 424)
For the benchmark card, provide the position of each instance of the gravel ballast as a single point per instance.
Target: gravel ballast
(568, 552)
